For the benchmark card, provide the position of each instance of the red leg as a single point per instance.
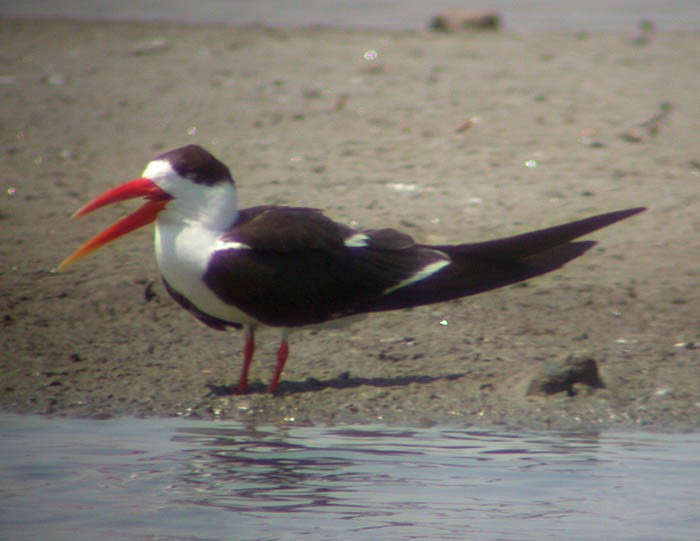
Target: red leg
(282, 354)
(248, 351)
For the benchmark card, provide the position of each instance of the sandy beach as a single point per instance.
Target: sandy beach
(449, 137)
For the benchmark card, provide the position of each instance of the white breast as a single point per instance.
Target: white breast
(183, 252)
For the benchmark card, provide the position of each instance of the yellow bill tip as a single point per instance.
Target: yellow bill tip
(75, 256)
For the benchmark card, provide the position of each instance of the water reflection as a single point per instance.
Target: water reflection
(176, 479)
(252, 470)
(372, 472)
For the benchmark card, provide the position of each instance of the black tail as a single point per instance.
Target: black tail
(535, 242)
(492, 264)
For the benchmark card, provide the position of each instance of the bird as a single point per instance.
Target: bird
(292, 267)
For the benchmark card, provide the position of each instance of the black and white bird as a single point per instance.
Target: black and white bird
(293, 267)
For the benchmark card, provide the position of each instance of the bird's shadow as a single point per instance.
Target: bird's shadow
(342, 381)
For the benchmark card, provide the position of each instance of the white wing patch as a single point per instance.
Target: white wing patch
(422, 274)
(231, 245)
(358, 240)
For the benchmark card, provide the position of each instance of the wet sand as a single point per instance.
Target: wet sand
(451, 138)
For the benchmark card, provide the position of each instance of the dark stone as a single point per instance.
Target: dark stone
(458, 20)
(558, 376)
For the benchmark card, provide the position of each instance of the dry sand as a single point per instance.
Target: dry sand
(432, 136)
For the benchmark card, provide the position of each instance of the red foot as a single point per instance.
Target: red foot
(242, 388)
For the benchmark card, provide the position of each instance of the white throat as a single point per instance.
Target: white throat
(187, 232)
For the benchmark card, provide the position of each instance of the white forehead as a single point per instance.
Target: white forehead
(159, 169)
(162, 173)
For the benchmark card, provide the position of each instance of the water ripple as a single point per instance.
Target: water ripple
(177, 479)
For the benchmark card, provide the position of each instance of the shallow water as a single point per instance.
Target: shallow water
(577, 15)
(170, 479)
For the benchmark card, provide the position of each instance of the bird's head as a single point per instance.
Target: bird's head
(187, 183)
